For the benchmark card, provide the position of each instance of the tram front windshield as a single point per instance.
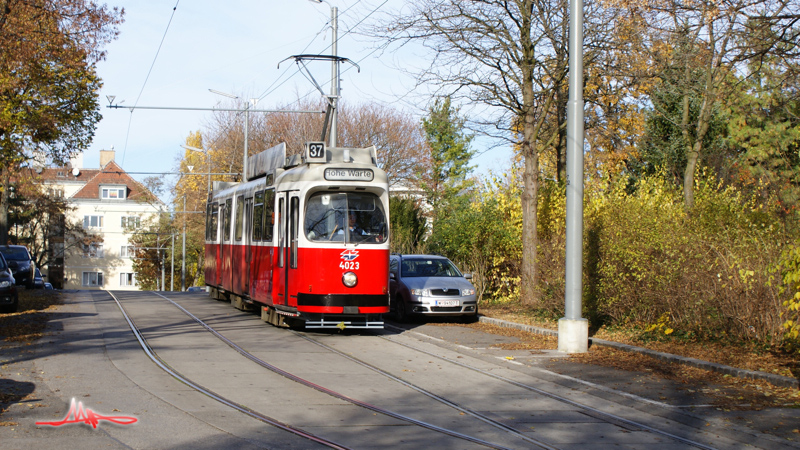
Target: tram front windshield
(345, 217)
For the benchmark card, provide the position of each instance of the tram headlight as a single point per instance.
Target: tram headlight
(349, 279)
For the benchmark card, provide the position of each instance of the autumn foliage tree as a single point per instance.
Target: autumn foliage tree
(706, 43)
(48, 80)
(396, 135)
(509, 57)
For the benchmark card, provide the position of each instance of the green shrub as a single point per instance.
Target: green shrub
(708, 270)
(790, 276)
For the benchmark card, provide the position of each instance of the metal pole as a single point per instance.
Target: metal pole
(161, 260)
(208, 169)
(334, 75)
(172, 265)
(183, 259)
(572, 329)
(246, 126)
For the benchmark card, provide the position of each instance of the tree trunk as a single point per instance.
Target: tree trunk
(562, 98)
(530, 194)
(5, 198)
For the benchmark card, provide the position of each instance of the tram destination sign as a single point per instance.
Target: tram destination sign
(345, 174)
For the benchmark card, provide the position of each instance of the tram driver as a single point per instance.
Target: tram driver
(356, 233)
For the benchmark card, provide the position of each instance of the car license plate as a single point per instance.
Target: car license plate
(447, 303)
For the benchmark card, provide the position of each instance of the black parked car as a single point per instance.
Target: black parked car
(8, 289)
(38, 279)
(19, 260)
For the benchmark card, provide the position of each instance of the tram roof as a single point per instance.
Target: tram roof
(269, 160)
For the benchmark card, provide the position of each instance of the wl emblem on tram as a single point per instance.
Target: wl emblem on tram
(349, 255)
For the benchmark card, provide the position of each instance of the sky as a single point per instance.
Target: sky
(168, 56)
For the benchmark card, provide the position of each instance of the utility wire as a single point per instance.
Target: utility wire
(348, 31)
(130, 119)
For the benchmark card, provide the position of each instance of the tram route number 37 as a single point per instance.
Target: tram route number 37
(316, 150)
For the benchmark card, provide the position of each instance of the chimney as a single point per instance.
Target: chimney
(106, 156)
(76, 161)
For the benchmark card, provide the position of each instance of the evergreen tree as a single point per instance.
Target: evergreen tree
(407, 225)
(450, 153)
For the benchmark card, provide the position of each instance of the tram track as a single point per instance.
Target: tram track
(612, 418)
(290, 376)
(593, 412)
(213, 395)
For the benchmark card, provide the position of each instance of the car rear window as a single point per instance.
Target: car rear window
(15, 254)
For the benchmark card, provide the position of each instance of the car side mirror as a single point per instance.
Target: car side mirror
(468, 276)
(392, 276)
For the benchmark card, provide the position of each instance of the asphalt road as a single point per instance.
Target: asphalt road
(89, 357)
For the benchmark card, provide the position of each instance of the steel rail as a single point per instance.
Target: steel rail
(241, 408)
(559, 398)
(431, 395)
(330, 392)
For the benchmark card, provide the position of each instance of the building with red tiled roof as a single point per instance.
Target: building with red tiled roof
(111, 205)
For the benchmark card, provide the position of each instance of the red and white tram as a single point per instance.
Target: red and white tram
(304, 238)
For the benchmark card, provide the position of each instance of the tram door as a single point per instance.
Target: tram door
(289, 217)
(279, 274)
(218, 256)
(248, 241)
(225, 279)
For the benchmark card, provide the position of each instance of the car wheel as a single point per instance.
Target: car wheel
(472, 318)
(8, 309)
(400, 314)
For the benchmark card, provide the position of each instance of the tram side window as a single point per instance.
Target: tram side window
(226, 220)
(212, 214)
(239, 216)
(208, 221)
(269, 214)
(258, 215)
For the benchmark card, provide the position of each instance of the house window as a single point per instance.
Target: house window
(127, 251)
(93, 250)
(127, 279)
(93, 279)
(113, 193)
(132, 222)
(92, 221)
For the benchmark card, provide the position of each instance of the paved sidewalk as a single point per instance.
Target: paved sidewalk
(777, 380)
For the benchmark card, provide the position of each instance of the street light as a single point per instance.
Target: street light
(246, 125)
(334, 70)
(208, 161)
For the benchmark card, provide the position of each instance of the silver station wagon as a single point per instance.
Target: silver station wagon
(429, 285)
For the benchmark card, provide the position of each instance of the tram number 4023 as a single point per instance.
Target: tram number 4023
(349, 265)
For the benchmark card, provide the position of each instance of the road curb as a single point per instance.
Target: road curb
(777, 380)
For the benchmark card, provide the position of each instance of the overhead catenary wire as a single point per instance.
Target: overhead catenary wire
(155, 58)
(346, 32)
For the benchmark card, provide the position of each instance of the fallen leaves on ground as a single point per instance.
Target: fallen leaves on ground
(27, 324)
(728, 392)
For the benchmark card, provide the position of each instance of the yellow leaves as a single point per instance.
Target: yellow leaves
(790, 272)
(661, 326)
